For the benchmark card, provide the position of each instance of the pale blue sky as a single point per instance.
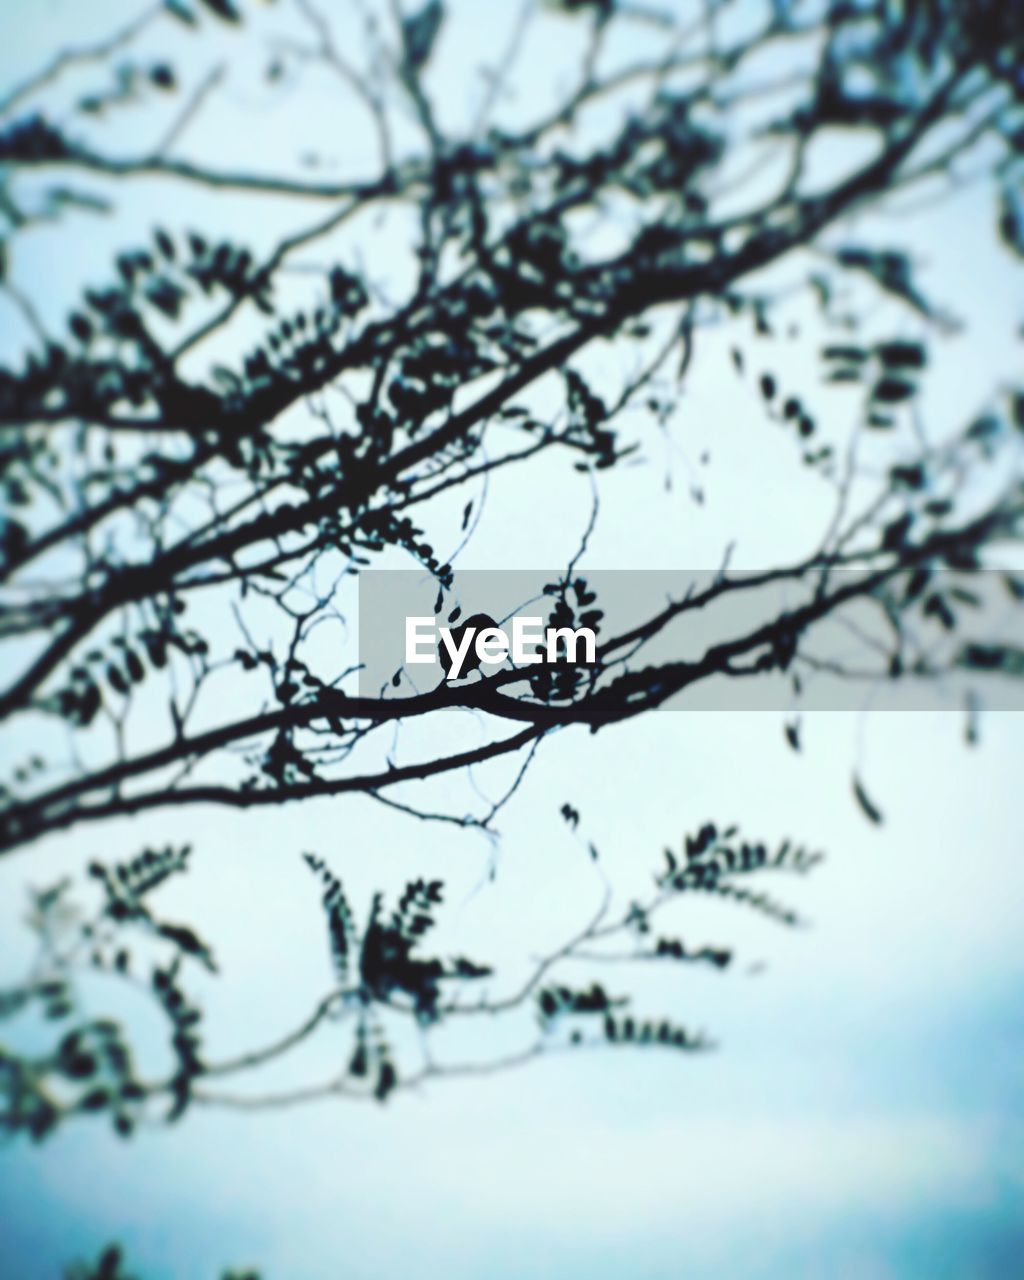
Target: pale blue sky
(863, 1117)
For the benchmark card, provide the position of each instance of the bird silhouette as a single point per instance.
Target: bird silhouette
(476, 624)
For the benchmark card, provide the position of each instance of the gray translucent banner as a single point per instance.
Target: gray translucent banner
(951, 637)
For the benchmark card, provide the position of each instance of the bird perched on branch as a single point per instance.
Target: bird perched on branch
(475, 624)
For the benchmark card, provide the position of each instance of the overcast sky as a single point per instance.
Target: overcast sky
(863, 1114)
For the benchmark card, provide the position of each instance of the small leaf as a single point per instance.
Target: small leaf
(893, 390)
(871, 810)
(180, 11)
(901, 355)
(116, 679)
(224, 10)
